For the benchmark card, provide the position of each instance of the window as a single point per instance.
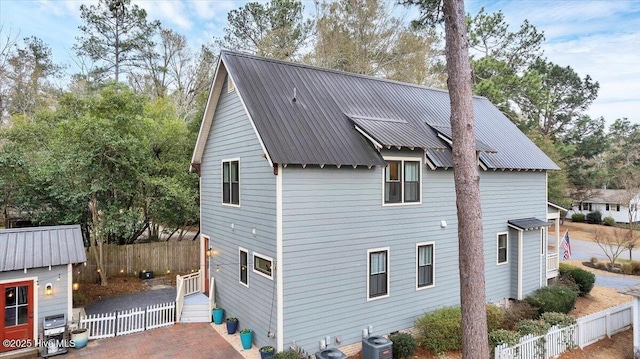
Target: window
(402, 182)
(502, 248)
(425, 265)
(612, 207)
(16, 305)
(262, 265)
(378, 284)
(243, 259)
(231, 182)
(585, 206)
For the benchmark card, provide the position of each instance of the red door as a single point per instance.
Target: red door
(16, 314)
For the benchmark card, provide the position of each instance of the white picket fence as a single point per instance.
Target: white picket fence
(588, 330)
(135, 320)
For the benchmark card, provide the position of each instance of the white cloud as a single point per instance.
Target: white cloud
(170, 13)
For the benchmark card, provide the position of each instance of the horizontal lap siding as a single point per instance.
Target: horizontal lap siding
(232, 136)
(332, 216)
(509, 195)
(56, 303)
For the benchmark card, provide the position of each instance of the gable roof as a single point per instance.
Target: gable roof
(35, 247)
(309, 115)
(613, 196)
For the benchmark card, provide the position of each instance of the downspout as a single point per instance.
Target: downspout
(520, 258)
(278, 171)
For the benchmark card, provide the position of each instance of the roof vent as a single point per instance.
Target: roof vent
(294, 95)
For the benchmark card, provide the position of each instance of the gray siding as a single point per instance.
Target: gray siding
(332, 216)
(56, 303)
(232, 136)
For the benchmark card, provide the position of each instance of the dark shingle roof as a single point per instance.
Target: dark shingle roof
(35, 247)
(318, 126)
(526, 224)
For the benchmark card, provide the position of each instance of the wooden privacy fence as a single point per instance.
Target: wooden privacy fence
(588, 330)
(109, 325)
(128, 260)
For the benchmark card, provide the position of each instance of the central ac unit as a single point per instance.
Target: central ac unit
(330, 354)
(376, 347)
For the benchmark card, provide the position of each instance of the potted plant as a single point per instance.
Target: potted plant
(80, 337)
(232, 325)
(267, 352)
(246, 338)
(217, 314)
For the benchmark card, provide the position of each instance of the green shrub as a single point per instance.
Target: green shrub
(535, 327)
(403, 345)
(287, 354)
(495, 317)
(577, 217)
(503, 336)
(552, 299)
(565, 280)
(440, 330)
(594, 217)
(560, 319)
(516, 312)
(609, 221)
(584, 279)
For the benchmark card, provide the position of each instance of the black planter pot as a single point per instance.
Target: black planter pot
(232, 326)
(266, 354)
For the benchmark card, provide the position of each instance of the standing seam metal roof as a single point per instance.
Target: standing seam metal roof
(318, 125)
(35, 247)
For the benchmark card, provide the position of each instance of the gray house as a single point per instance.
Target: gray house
(327, 200)
(36, 279)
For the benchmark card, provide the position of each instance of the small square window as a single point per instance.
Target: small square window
(263, 265)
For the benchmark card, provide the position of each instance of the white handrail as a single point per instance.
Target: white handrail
(212, 294)
(179, 297)
(552, 261)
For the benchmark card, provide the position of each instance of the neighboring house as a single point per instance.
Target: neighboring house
(36, 278)
(617, 203)
(328, 202)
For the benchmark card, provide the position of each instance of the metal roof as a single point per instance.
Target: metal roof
(525, 224)
(34, 247)
(305, 115)
(447, 133)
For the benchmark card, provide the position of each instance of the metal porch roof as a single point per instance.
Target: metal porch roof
(34, 247)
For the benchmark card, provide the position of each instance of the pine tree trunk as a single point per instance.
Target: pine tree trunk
(467, 184)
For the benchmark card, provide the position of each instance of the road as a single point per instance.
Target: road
(584, 250)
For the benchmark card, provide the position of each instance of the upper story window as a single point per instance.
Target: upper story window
(402, 181)
(231, 182)
(503, 246)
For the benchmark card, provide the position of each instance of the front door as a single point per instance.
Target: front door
(16, 314)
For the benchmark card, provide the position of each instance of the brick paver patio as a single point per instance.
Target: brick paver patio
(182, 340)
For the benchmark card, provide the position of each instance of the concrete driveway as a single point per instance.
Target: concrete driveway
(182, 340)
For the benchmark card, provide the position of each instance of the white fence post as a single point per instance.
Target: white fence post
(587, 330)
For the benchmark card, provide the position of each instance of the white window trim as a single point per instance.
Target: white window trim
(222, 182)
(253, 265)
(498, 248)
(402, 159)
(240, 249)
(369, 251)
(433, 264)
